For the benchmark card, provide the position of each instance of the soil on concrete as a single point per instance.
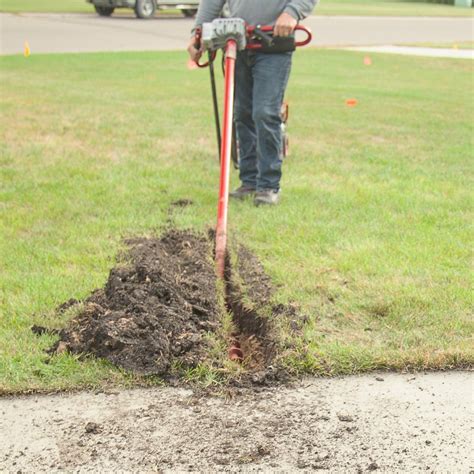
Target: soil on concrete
(405, 423)
(161, 302)
(155, 309)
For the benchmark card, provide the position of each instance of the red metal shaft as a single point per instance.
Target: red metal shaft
(221, 229)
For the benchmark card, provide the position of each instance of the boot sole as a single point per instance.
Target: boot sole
(241, 197)
(265, 203)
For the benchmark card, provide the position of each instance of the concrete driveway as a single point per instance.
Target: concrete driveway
(61, 33)
(385, 422)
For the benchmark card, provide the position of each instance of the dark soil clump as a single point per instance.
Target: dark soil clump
(154, 310)
(162, 308)
(181, 203)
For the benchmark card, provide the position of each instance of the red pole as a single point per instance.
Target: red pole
(221, 229)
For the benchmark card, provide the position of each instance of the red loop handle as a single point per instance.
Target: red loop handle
(197, 45)
(309, 36)
(213, 56)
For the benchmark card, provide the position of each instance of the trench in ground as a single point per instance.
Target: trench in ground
(162, 308)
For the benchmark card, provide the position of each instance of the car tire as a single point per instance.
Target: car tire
(189, 12)
(104, 11)
(145, 9)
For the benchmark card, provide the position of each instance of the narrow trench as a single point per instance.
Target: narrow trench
(250, 343)
(153, 310)
(234, 352)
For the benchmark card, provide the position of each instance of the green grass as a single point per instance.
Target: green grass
(326, 7)
(388, 8)
(61, 6)
(372, 237)
(46, 6)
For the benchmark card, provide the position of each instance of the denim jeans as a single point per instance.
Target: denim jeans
(260, 85)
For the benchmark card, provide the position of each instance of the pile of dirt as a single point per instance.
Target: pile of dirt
(154, 310)
(160, 304)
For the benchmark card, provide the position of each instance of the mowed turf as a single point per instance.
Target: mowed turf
(46, 6)
(325, 7)
(389, 8)
(372, 237)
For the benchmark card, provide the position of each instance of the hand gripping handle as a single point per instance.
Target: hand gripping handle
(197, 45)
(251, 30)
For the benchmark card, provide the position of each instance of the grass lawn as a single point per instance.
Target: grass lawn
(60, 6)
(326, 7)
(372, 237)
(388, 8)
(46, 6)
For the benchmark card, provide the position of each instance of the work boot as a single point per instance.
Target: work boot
(242, 192)
(267, 197)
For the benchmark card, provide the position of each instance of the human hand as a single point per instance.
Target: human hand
(194, 52)
(285, 25)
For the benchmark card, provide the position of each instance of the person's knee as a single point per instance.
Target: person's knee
(242, 114)
(266, 114)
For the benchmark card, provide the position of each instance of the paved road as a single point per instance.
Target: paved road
(392, 423)
(56, 33)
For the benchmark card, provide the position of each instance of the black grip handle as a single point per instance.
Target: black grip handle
(265, 38)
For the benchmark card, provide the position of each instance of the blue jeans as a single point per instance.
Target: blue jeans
(260, 85)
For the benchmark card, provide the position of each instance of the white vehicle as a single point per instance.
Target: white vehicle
(145, 8)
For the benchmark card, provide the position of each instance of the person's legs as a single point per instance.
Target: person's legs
(244, 124)
(270, 76)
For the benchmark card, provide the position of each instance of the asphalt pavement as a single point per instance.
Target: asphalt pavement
(68, 33)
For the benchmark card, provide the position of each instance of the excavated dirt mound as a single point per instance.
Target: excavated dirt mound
(161, 303)
(155, 309)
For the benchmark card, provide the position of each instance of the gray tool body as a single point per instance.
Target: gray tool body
(219, 31)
